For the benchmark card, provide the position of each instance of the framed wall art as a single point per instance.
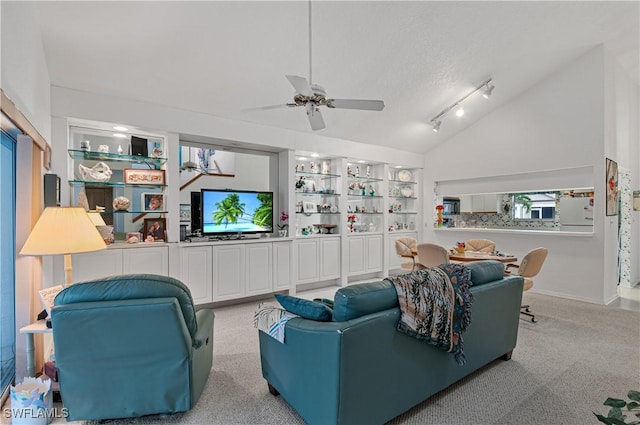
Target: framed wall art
(185, 212)
(152, 202)
(140, 176)
(612, 186)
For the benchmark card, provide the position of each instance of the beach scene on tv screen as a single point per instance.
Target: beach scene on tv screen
(233, 212)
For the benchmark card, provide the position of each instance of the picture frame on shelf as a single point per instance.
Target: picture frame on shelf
(139, 146)
(154, 230)
(185, 212)
(140, 176)
(152, 201)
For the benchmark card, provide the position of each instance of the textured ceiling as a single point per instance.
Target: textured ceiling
(221, 58)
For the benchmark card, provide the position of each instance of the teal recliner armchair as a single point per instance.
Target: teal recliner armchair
(130, 345)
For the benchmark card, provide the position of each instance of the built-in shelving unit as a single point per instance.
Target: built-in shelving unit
(111, 152)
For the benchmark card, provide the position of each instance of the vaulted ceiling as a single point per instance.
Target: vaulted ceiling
(222, 58)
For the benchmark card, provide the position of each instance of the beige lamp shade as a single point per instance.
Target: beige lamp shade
(96, 218)
(63, 230)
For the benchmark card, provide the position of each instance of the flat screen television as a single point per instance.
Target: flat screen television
(235, 211)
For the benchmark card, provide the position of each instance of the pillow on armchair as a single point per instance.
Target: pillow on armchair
(306, 309)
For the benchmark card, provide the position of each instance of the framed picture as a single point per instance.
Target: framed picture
(152, 202)
(154, 230)
(139, 176)
(185, 212)
(612, 186)
(139, 146)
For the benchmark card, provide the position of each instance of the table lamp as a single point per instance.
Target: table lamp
(63, 230)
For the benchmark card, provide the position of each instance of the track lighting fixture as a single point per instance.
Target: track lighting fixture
(486, 93)
(486, 88)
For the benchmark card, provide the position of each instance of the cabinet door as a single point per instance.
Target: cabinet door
(307, 261)
(153, 260)
(491, 203)
(465, 204)
(329, 258)
(228, 272)
(373, 253)
(197, 272)
(93, 265)
(258, 268)
(281, 265)
(356, 255)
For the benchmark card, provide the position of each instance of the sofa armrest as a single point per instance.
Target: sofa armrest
(204, 319)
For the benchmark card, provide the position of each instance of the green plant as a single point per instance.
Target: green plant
(525, 200)
(616, 416)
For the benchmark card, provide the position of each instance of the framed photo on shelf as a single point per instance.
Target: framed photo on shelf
(185, 212)
(154, 230)
(140, 176)
(152, 202)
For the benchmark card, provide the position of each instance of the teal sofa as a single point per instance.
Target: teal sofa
(129, 346)
(358, 369)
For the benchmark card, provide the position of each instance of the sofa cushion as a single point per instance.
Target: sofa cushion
(307, 309)
(485, 271)
(357, 300)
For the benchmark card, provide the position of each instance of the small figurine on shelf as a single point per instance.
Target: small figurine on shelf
(368, 171)
(439, 212)
(300, 183)
(350, 172)
(351, 219)
(372, 191)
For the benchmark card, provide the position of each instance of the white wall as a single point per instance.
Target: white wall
(25, 80)
(557, 124)
(23, 70)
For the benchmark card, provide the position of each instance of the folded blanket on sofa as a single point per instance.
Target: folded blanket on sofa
(435, 306)
(271, 320)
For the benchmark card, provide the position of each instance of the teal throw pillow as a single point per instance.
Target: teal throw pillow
(307, 309)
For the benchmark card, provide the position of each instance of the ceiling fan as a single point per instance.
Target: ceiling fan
(313, 96)
(190, 165)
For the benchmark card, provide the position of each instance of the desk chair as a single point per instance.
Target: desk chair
(529, 267)
(480, 245)
(432, 255)
(405, 247)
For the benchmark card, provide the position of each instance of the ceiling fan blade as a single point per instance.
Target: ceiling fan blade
(367, 105)
(265, 108)
(301, 85)
(315, 119)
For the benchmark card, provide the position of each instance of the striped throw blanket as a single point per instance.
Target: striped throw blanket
(271, 320)
(435, 306)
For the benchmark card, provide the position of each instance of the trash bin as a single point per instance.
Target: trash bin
(32, 402)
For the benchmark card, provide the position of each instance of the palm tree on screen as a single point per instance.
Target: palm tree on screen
(228, 210)
(264, 213)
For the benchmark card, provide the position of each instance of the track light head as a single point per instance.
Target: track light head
(486, 93)
(436, 126)
(460, 111)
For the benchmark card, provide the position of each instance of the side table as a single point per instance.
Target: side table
(39, 327)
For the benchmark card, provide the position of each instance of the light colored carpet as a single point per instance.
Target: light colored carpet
(562, 369)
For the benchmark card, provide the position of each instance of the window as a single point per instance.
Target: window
(7, 257)
(534, 206)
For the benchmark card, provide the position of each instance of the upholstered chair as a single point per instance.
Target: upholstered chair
(129, 346)
(480, 245)
(528, 268)
(431, 255)
(405, 248)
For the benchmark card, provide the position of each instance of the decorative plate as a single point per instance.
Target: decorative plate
(407, 192)
(333, 209)
(404, 175)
